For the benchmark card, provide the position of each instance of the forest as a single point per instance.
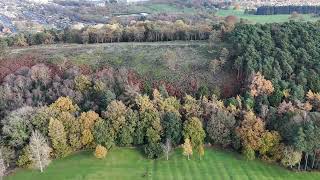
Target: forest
(271, 10)
(50, 111)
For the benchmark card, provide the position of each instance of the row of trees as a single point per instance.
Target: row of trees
(270, 10)
(139, 31)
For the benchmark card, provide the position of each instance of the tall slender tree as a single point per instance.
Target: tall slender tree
(187, 148)
(2, 165)
(40, 151)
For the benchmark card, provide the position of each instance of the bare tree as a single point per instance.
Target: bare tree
(2, 165)
(40, 150)
(167, 148)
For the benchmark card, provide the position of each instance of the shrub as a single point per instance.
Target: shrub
(100, 152)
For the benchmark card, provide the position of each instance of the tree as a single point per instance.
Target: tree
(167, 148)
(300, 142)
(116, 114)
(100, 152)
(3, 48)
(16, 126)
(58, 138)
(291, 157)
(126, 134)
(87, 121)
(201, 151)
(40, 150)
(191, 107)
(260, 86)
(40, 120)
(251, 131)
(103, 134)
(24, 157)
(8, 155)
(270, 141)
(82, 83)
(220, 127)
(249, 153)
(187, 148)
(193, 131)
(172, 125)
(153, 150)
(64, 104)
(149, 127)
(2, 165)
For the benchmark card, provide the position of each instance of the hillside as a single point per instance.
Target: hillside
(173, 62)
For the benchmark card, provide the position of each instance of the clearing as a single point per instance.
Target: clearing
(176, 62)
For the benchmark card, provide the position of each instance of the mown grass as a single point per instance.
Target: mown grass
(129, 163)
(263, 18)
(154, 8)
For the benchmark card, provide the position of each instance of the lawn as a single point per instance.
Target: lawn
(125, 163)
(263, 18)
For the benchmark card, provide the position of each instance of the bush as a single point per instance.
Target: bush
(249, 153)
(153, 151)
(100, 152)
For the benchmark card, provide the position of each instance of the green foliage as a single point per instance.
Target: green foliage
(126, 134)
(203, 91)
(249, 153)
(193, 130)
(16, 127)
(153, 150)
(24, 159)
(103, 134)
(282, 52)
(172, 127)
(58, 138)
(3, 48)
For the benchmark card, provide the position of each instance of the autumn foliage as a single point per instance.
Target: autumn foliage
(100, 152)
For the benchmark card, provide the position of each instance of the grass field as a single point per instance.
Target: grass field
(124, 163)
(263, 18)
(153, 8)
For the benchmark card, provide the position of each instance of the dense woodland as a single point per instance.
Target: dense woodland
(270, 10)
(50, 111)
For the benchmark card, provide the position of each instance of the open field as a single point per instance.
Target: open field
(174, 62)
(153, 8)
(125, 163)
(263, 18)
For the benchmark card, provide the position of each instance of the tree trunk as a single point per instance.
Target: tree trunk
(299, 165)
(306, 162)
(313, 160)
(39, 159)
(188, 157)
(167, 156)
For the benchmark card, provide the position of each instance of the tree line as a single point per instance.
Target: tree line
(270, 10)
(140, 31)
